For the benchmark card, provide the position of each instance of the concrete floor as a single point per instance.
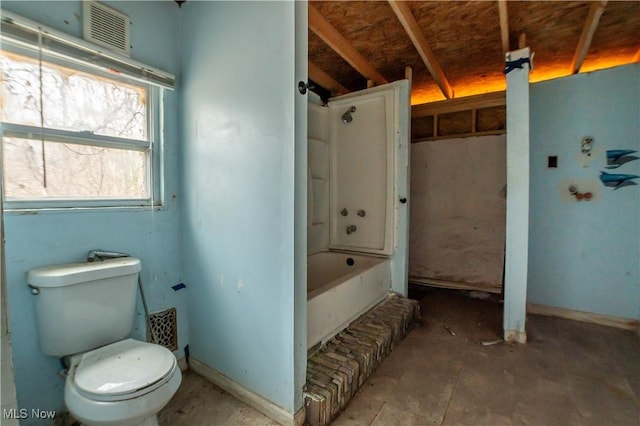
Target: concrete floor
(198, 402)
(568, 373)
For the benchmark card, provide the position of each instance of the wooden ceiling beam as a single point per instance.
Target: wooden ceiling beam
(411, 26)
(323, 29)
(590, 26)
(325, 80)
(504, 25)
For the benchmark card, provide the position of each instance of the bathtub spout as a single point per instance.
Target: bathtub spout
(351, 229)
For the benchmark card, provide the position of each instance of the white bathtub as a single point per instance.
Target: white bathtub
(337, 292)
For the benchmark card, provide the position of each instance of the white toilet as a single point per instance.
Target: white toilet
(85, 312)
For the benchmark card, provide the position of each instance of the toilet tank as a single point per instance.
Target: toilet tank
(82, 306)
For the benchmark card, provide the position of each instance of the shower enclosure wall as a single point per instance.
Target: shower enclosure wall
(357, 205)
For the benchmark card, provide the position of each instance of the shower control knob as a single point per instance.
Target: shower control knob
(403, 200)
(344, 212)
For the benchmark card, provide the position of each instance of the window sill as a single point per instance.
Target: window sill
(25, 211)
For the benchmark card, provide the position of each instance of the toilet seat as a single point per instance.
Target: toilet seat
(123, 370)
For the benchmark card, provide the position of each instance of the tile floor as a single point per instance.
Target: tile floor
(568, 373)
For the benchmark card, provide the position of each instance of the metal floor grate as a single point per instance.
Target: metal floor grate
(165, 329)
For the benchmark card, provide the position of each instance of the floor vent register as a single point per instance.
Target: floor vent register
(164, 329)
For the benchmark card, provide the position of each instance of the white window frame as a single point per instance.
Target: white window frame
(151, 146)
(154, 81)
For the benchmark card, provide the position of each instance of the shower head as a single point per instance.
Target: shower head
(346, 117)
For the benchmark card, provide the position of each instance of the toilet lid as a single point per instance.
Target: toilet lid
(123, 368)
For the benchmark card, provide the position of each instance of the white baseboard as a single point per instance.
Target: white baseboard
(590, 317)
(252, 399)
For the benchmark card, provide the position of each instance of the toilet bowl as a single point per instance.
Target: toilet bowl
(85, 315)
(125, 384)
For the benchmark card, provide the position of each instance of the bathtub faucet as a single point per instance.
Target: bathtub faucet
(101, 254)
(351, 229)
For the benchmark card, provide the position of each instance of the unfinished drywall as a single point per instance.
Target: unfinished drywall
(458, 192)
(584, 254)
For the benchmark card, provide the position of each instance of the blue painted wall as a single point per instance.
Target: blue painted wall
(238, 132)
(585, 255)
(235, 163)
(34, 240)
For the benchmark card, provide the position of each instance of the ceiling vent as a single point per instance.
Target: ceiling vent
(106, 27)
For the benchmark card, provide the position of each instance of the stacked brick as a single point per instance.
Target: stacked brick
(339, 368)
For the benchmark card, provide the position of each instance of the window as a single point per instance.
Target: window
(72, 137)
(78, 121)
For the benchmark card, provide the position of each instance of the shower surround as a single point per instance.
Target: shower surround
(357, 205)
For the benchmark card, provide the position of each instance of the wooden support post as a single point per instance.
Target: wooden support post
(522, 41)
(517, 230)
(408, 75)
(504, 25)
(435, 125)
(474, 120)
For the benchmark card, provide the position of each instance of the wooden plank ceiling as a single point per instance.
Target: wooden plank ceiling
(456, 48)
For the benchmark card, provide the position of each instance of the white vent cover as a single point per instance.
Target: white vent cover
(106, 26)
